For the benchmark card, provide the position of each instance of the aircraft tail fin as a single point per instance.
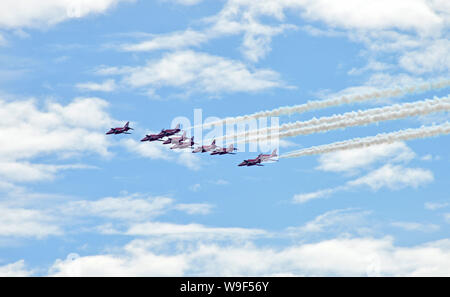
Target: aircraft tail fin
(126, 125)
(214, 142)
(274, 153)
(177, 126)
(230, 148)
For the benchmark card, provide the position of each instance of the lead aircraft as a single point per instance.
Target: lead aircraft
(120, 130)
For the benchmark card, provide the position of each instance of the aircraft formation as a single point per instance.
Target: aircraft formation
(169, 136)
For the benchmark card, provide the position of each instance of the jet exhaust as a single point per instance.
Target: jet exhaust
(319, 104)
(349, 119)
(384, 138)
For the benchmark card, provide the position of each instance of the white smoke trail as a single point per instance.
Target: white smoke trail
(354, 118)
(318, 104)
(351, 119)
(383, 138)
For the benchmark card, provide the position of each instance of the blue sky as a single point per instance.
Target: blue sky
(75, 201)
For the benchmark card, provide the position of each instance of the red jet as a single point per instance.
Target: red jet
(225, 150)
(153, 137)
(252, 162)
(176, 140)
(170, 132)
(120, 130)
(261, 158)
(205, 148)
(184, 144)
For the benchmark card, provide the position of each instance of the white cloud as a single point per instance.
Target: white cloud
(427, 157)
(26, 171)
(436, 205)
(337, 219)
(220, 182)
(195, 208)
(3, 40)
(431, 58)
(302, 198)
(191, 231)
(195, 187)
(28, 131)
(393, 177)
(243, 17)
(106, 86)
(341, 257)
(236, 17)
(185, 2)
(44, 13)
(16, 269)
(129, 208)
(127, 265)
(20, 222)
(258, 38)
(447, 217)
(425, 17)
(175, 40)
(152, 150)
(416, 29)
(198, 72)
(365, 14)
(350, 160)
(188, 159)
(414, 226)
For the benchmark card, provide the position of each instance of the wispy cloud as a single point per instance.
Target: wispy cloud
(195, 208)
(196, 72)
(436, 205)
(414, 226)
(26, 14)
(171, 41)
(28, 131)
(22, 222)
(352, 160)
(128, 208)
(192, 231)
(389, 176)
(106, 86)
(338, 221)
(17, 269)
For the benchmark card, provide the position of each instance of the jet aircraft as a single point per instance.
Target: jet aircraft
(225, 150)
(170, 132)
(258, 160)
(265, 158)
(175, 140)
(205, 148)
(185, 144)
(153, 137)
(252, 162)
(120, 130)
